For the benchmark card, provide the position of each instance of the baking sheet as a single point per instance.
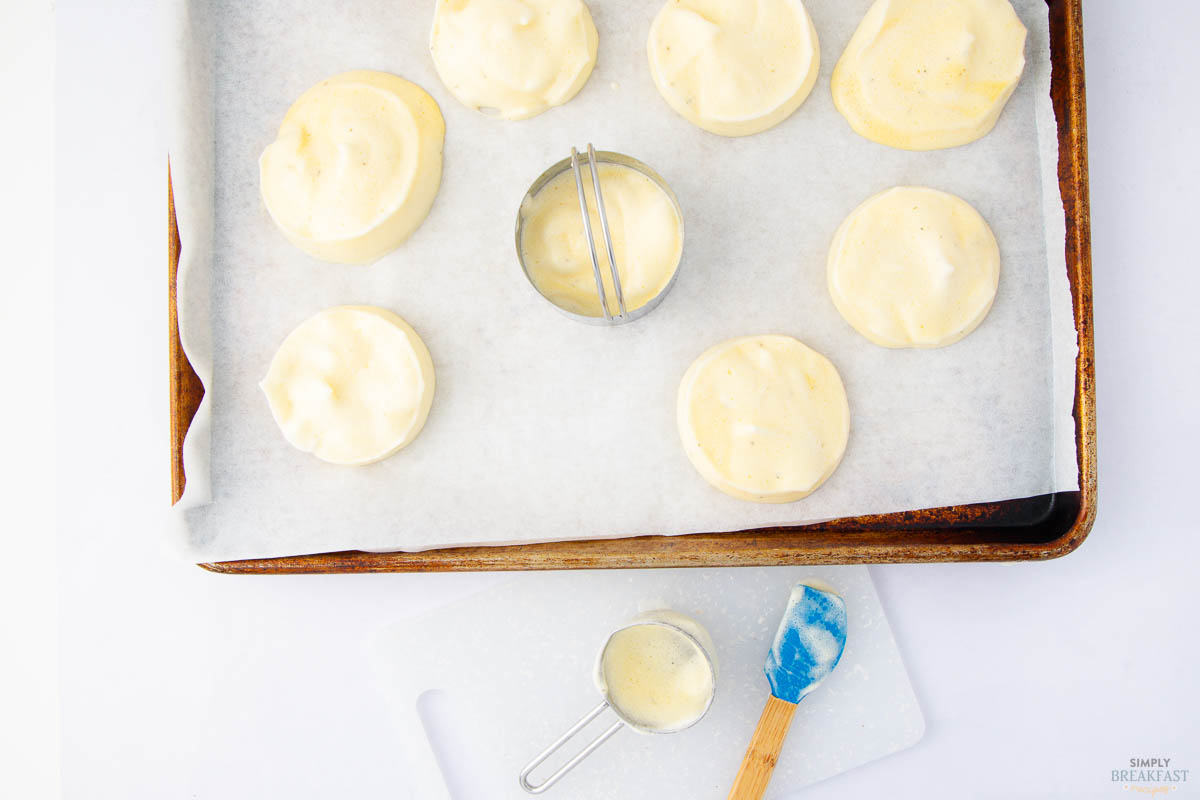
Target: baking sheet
(545, 429)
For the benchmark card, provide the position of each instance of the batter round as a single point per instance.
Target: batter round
(351, 385)
(734, 67)
(513, 58)
(355, 166)
(914, 267)
(763, 418)
(928, 74)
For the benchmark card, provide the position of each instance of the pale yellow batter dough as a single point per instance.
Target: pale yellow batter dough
(763, 418)
(647, 236)
(656, 677)
(351, 385)
(734, 67)
(355, 166)
(928, 74)
(914, 267)
(513, 58)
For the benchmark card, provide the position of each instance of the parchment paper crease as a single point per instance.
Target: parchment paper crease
(544, 429)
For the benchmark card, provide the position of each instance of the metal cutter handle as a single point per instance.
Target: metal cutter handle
(594, 168)
(538, 788)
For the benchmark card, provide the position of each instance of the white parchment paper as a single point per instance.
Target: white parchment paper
(543, 428)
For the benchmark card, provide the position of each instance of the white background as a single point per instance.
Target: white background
(1037, 680)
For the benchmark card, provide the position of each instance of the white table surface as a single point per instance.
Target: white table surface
(1036, 680)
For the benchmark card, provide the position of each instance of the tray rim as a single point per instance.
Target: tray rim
(904, 537)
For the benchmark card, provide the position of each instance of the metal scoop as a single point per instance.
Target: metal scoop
(624, 719)
(807, 647)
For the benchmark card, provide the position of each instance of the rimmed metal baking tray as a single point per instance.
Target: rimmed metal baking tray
(1034, 528)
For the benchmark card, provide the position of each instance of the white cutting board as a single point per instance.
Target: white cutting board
(515, 663)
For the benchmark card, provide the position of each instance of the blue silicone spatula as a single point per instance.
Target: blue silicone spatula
(807, 647)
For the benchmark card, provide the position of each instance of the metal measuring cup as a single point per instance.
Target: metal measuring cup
(658, 618)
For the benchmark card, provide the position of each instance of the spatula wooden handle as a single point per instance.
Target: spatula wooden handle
(755, 772)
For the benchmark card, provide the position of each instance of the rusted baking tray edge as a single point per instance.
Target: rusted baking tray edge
(1016, 530)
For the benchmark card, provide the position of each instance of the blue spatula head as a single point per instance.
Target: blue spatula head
(809, 642)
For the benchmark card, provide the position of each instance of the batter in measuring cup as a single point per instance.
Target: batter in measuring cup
(647, 237)
(655, 677)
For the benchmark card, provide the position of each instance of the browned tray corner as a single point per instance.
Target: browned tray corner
(1030, 529)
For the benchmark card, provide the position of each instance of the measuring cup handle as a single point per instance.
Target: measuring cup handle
(538, 788)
